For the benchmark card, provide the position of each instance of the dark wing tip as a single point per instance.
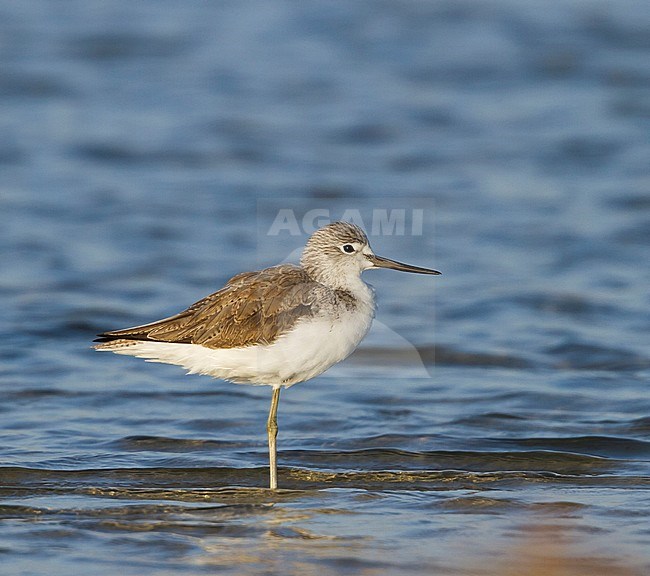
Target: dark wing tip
(105, 337)
(109, 337)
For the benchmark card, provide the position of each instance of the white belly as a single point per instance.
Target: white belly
(307, 351)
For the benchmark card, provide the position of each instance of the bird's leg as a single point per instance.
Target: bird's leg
(272, 430)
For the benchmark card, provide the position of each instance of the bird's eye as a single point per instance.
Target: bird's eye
(348, 248)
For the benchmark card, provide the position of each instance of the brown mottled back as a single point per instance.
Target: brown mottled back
(253, 308)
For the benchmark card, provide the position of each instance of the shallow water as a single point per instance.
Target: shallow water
(497, 416)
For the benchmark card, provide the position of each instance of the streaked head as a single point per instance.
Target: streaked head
(338, 253)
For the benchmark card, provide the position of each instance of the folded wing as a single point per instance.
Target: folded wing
(253, 308)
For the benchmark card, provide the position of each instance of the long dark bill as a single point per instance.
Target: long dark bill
(381, 262)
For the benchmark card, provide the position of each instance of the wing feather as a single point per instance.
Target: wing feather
(253, 308)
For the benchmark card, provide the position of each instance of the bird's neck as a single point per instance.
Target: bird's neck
(363, 293)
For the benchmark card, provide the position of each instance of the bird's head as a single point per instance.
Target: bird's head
(337, 254)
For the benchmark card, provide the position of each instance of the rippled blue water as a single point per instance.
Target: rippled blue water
(497, 416)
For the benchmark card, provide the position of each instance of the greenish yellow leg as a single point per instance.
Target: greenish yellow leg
(272, 430)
